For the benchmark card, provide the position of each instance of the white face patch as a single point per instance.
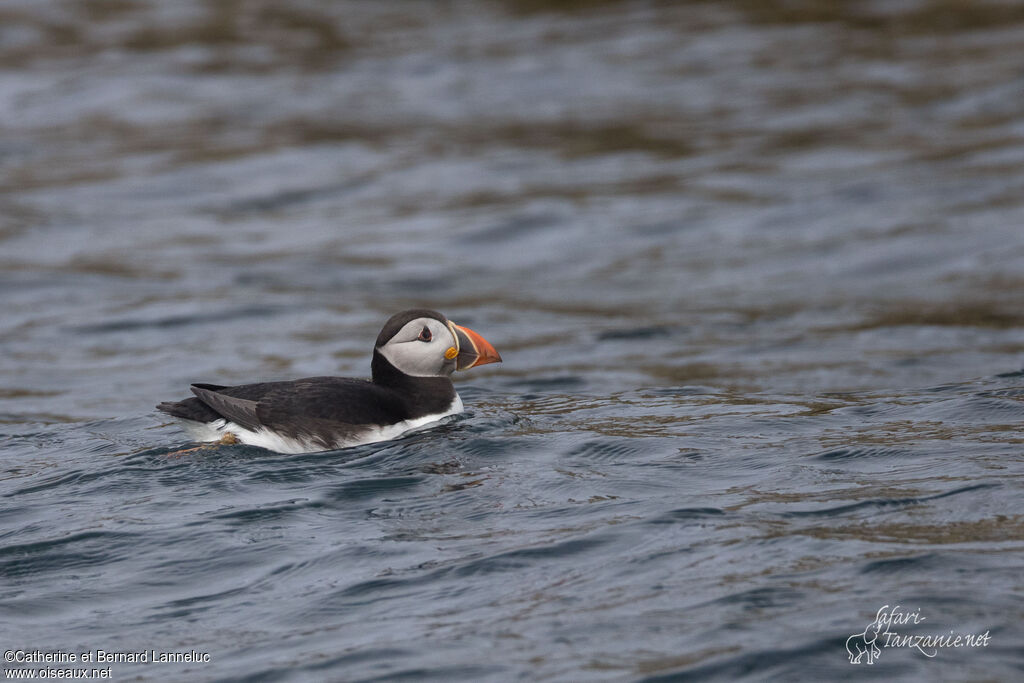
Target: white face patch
(418, 349)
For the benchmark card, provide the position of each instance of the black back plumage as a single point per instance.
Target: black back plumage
(327, 410)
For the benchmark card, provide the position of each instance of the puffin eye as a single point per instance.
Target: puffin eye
(425, 335)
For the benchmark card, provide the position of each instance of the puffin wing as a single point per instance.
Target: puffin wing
(241, 411)
(327, 411)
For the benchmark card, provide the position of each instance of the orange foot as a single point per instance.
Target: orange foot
(229, 439)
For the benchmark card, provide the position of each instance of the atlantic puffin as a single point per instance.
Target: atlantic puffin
(413, 359)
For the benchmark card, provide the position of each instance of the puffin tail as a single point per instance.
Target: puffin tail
(189, 409)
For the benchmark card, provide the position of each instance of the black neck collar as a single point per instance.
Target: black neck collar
(421, 395)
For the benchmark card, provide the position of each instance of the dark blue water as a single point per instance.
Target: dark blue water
(756, 271)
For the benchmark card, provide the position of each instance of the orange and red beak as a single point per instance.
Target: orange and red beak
(473, 349)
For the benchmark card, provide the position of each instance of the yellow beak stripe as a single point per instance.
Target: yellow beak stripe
(451, 352)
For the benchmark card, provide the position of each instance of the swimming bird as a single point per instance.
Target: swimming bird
(413, 359)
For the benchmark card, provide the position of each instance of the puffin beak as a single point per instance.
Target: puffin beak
(473, 349)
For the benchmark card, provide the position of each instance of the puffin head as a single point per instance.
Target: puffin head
(424, 343)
